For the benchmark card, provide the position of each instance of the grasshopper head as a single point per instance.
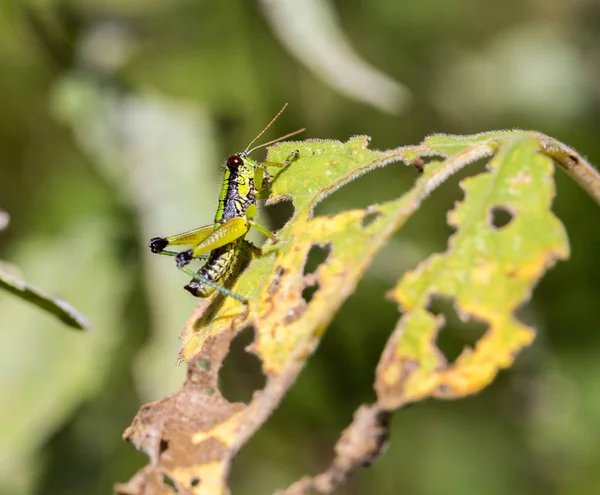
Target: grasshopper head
(242, 164)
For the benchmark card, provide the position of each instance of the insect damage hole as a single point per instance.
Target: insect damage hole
(163, 446)
(317, 255)
(279, 214)
(170, 484)
(195, 481)
(370, 216)
(241, 374)
(309, 292)
(500, 216)
(459, 332)
(380, 185)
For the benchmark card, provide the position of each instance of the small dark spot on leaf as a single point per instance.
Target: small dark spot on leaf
(444, 389)
(574, 158)
(369, 218)
(170, 483)
(309, 291)
(195, 481)
(293, 314)
(203, 364)
(274, 285)
(411, 365)
(500, 216)
(317, 255)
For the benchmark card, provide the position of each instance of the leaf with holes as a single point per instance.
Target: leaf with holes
(487, 271)
(287, 327)
(506, 237)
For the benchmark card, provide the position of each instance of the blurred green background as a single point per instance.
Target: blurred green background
(115, 118)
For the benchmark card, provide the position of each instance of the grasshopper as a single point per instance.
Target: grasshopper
(223, 242)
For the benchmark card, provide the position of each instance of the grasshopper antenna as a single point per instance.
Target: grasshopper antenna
(276, 140)
(265, 129)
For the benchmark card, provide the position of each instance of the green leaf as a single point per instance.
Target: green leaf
(11, 281)
(53, 305)
(54, 372)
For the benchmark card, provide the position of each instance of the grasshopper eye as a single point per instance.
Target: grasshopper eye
(234, 161)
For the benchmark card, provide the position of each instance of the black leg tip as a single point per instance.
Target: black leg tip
(192, 288)
(158, 244)
(184, 258)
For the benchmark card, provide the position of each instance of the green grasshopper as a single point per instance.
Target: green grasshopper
(223, 242)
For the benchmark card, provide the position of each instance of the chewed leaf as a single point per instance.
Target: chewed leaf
(53, 305)
(487, 271)
(287, 326)
(506, 237)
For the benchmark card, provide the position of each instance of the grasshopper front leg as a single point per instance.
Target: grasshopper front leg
(262, 177)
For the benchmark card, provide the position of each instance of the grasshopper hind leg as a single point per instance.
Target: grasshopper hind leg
(198, 280)
(158, 244)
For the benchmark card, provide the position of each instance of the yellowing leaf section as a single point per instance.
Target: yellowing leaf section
(487, 272)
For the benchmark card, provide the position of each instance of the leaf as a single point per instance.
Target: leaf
(53, 305)
(52, 373)
(10, 280)
(330, 54)
(488, 270)
(287, 328)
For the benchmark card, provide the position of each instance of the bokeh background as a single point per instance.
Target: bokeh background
(115, 118)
